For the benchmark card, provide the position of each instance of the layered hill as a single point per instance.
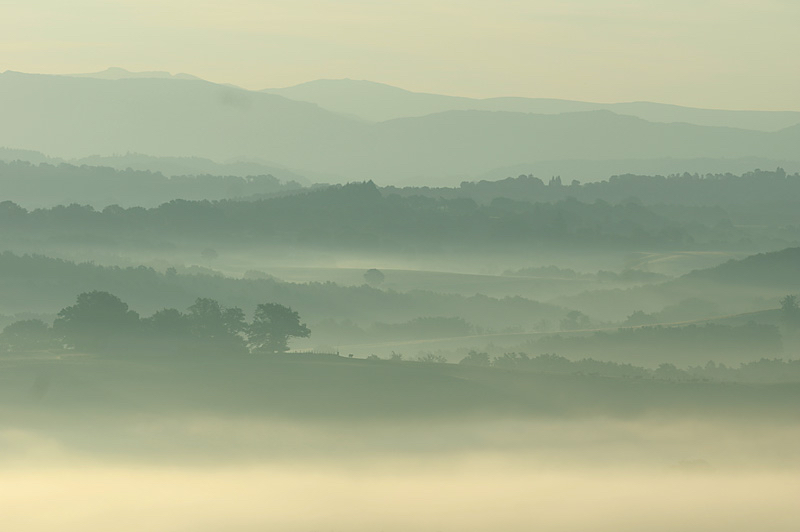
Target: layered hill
(78, 117)
(777, 269)
(739, 286)
(378, 102)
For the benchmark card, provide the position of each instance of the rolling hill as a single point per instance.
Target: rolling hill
(77, 117)
(378, 102)
(738, 286)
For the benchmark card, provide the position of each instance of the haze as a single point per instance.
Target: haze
(509, 475)
(713, 54)
(362, 266)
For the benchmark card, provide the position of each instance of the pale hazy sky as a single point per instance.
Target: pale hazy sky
(708, 53)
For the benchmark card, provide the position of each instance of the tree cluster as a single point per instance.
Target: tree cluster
(102, 322)
(45, 184)
(758, 186)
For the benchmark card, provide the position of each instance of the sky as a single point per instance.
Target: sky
(735, 54)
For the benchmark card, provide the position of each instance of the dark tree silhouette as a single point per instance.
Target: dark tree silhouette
(27, 335)
(638, 318)
(790, 305)
(430, 358)
(790, 310)
(272, 326)
(211, 322)
(97, 320)
(167, 323)
(209, 253)
(475, 358)
(575, 320)
(374, 277)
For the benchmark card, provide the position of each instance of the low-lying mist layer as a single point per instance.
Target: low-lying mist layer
(512, 475)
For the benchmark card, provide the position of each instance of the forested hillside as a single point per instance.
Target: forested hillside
(360, 216)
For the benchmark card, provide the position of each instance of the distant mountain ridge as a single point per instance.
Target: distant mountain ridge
(378, 102)
(73, 117)
(114, 73)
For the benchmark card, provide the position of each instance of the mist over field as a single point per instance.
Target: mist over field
(148, 443)
(427, 490)
(432, 266)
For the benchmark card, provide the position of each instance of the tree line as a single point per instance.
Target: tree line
(357, 215)
(101, 322)
(47, 184)
(758, 186)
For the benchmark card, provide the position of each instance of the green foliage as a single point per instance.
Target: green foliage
(101, 322)
(168, 323)
(98, 320)
(272, 326)
(790, 311)
(639, 318)
(758, 187)
(357, 216)
(789, 305)
(476, 358)
(216, 325)
(668, 371)
(27, 335)
(511, 360)
(432, 358)
(43, 184)
(575, 320)
(374, 277)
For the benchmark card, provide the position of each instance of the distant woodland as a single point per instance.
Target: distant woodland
(46, 185)
(361, 216)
